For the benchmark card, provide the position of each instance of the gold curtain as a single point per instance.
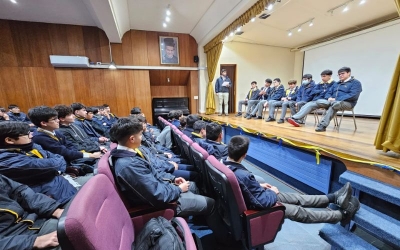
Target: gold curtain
(397, 2)
(388, 135)
(212, 62)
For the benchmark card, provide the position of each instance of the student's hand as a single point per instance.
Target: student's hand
(175, 165)
(57, 213)
(6, 117)
(331, 99)
(275, 189)
(31, 125)
(45, 241)
(265, 185)
(168, 155)
(179, 180)
(103, 149)
(184, 186)
(103, 139)
(95, 155)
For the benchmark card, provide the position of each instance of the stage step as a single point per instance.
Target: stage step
(378, 224)
(340, 238)
(373, 187)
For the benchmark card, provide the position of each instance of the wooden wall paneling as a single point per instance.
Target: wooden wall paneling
(96, 84)
(104, 47)
(176, 77)
(153, 49)
(139, 43)
(184, 56)
(117, 55)
(127, 48)
(42, 86)
(193, 51)
(40, 45)
(7, 52)
(92, 43)
(13, 87)
(128, 90)
(58, 39)
(81, 87)
(143, 92)
(168, 91)
(21, 38)
(76, 46)
(193, 90)
(119, 100)
(110, 96)
(65, 83)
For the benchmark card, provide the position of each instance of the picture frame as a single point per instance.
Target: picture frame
(169, 50)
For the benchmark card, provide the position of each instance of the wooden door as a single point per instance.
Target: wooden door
(231, 73)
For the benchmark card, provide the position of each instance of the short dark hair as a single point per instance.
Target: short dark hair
(63, 110)
(125, 127)
(307, 76)
(199, 125)
(238, 146)
(327, 72)
(12, 129)
(183, 121)
(106, 105)
(140, 117)
(254, 82)
(191, 119)
(213, 130)
(93, 110)
(11, 106)
(292, 82)
(223, 70)
(344, 69)
(136, 110)
(41, 114)
(268, 80)
(3, 110)
(277, 79)
(77, 106)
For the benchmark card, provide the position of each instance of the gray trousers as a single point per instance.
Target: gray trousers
(241, 103)
(272, 106)
(251, 105)
(285, 106)
(223, 98)
(259, 108)
(301, 208)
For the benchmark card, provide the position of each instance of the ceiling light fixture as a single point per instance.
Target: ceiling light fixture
(112, 63)
(164, 25)
(290, 33)
(167, 19)
(168, 11)
(362, 2)
(311, 23)
(253, 19)
(231, 34)
(299, 29)
(14, 1)
(270, 6)
(345, 7)
(238, 29)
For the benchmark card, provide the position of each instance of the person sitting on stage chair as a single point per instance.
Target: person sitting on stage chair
(298, 207)
(285, 102)
(251, 96)
(262, 95)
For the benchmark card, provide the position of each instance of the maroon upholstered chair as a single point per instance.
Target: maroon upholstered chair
(199, 155)
(97, 219)
(253, 228)
(176, 135)
(186, 142)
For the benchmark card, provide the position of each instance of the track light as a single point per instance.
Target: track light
(346, 8)
(238, 29)
(14, 1)
(290, 33)
(362, 2)
(299, 29)
(270, 6)
(167, 19)
(253, 19)
(164, 25)
(168, 12)
(311, 24)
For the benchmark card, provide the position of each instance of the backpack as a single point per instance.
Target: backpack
(160, 234)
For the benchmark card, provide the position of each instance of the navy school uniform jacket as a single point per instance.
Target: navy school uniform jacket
(292, 93)
(139, 182)
(107, 123)
(76, 136)
(345, 91)
(264, 96)
(276, 94)
(218, 150)
(57, 144)
(253, 94)
(188, 131)
(22, 213)
(304, 94)
(255, 196)
(39, 169)
(219, 87)
(21, 117)
(87, 127)
(321, 89)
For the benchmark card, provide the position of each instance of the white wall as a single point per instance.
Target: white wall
(371, 54)
(254, 63)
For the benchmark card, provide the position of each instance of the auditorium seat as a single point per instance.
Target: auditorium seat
(253, 228)
(186, 142)
(97, 219)
(176, 134)
(199, 155)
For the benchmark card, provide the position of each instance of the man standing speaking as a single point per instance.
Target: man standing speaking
(222, 86)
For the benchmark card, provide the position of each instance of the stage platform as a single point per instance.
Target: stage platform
(353, 147)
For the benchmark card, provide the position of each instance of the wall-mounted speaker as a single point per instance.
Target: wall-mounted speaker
(196, 59)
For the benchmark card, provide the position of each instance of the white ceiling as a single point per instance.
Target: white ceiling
(203, 19)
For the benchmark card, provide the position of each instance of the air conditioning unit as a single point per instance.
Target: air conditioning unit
(69, 61)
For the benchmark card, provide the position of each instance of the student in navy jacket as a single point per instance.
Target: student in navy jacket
(286, 101)
(199, 133)
(262, 95)
(191, 119)
(298, 207)
(213, 142)
(251, 95)
(304, 94)
(223, 91)
(15, 114)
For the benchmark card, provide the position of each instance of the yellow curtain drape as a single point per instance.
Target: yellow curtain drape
(388, 135)
(397, 2)
(212, 62)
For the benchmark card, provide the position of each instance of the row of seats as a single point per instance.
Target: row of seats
(253, 228)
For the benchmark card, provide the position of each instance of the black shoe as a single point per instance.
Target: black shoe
(350, 211)
(343, 195)
(294, 122)
(258, 117)
(238, 114)
(280, 121)
(320, 128)
(270, 119)
(248, 117)
(219, 114)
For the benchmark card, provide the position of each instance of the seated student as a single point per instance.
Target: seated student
(140, 183)
(199, 132)
(341, 95)
(213, 142)
(298, 207)
(26, 218)
(191, 119)
(305, 93)
(262, 95)
(287, 100)
(27, 163)
(182, 122)
(165, 137)
(98, 126)
(3, 115)
(74, 134)
(15, 114)
(173, 117)
(109, 118)
(47, 136)
(79, 110)
(251, 96)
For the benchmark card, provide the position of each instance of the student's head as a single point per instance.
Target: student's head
(214, 132)
(237, 147)
(136, 111)
(101, 110)
(2, 111)
(65, 114)
(199, 127)
(142, 120)
(292, 84)
(276, 82)
(169, 47)
(127, 132)
(183, 121)
(91, 111)
(268, 82)
(253, 84)
(344, 73)
(326, 75)
(307, 78)
(14, 133)
(13, 108)
(191, 119)
(44, 117)
(107, 108)
(223, 72)
(79, 110)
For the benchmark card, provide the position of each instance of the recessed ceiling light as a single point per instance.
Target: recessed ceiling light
(231, 34)
(167, 19)
(164, 25)
(270, 6)
(238, 29)
(253, 19)
(13, 1)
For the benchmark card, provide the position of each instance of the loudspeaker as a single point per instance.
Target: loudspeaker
(196, 59)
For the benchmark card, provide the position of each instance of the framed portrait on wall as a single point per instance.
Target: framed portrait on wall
(169, 50)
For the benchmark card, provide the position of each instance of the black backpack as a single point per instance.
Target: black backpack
(160, 234)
